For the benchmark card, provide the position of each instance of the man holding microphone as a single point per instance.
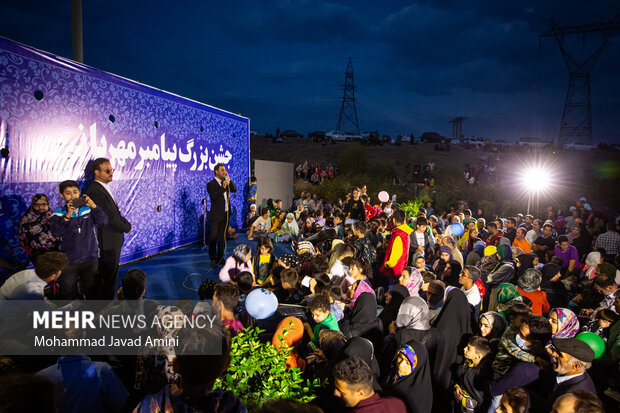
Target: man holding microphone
(219, 189)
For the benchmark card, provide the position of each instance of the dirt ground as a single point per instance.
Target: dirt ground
(594, 174)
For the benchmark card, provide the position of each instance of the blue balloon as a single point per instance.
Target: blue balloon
(457, 229)
(261, 303)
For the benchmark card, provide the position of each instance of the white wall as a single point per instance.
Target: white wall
(274, 180)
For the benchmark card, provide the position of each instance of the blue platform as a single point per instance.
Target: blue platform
(178, 273)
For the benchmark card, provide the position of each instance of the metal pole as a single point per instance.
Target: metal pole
(76, 31)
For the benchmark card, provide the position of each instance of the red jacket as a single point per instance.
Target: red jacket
(397, 254)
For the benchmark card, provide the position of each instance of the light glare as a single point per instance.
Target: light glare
(536, 179)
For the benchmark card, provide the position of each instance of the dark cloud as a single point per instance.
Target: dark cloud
(417, 64)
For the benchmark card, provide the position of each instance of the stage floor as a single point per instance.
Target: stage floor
(178, 273)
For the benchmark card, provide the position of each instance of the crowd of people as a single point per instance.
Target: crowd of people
(399, 313)
(314, 172)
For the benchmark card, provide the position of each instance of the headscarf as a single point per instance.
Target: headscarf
(446, 249)
(592, 261)
(415, 257)
(411, 355)
(289, 333)
(571, 237)
(362, 318)
(530, 281)
(363, 348)
(549, 271)
(292, 227)
(490, 250)
(415, 389)
(399, 293)
(525, 262)
(415, 280)
(413, 314)
(479, 247)
(35, 233)
(362, 287)
(507, 296)
(452, 279)
(498, 324)
(568, 324)
(504, 241)
(505, 252)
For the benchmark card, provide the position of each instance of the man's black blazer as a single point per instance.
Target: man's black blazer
(216, 193)
(112, 235)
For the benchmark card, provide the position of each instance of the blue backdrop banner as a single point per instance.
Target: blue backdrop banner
(57, 115)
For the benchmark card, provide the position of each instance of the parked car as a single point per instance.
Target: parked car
(528, 142)
(372, 139)
(367, 134)
(432, 137)
(350, 136)
(289, 133)
(317, 136)
(336, 135)
(579, 146)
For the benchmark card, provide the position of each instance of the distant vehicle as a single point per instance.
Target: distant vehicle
(350, 136)
(368, 134)
(578, 146)
(529, 142)
(432, 137)
(317, 136)
(336, 135)
(291, 134)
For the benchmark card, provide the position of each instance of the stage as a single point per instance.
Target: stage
(178, 273)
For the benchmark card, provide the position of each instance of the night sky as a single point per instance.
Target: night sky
(282, 63)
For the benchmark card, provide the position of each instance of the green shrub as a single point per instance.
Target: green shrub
(258, 373)
(411, 208)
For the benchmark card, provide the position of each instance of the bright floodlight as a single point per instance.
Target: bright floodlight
(536, 179)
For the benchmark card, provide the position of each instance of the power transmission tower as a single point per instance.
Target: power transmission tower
(577, 116)
(457, 127)
(348, 110)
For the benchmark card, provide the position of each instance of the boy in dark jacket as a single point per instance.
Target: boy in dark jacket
(473, 376)
(75, 225)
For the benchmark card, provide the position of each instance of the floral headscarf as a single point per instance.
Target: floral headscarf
(35, 233)
(568, 324)
(415, 281)
(408, 352)
(362, 287)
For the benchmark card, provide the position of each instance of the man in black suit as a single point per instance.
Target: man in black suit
(571, 360)
(219, 189)
(111, 236)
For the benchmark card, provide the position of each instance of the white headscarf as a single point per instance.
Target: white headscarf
(592, 261)
(291, 227)
(413, 314)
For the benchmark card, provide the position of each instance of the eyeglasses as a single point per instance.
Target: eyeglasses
(109, 171)
(41, 204)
